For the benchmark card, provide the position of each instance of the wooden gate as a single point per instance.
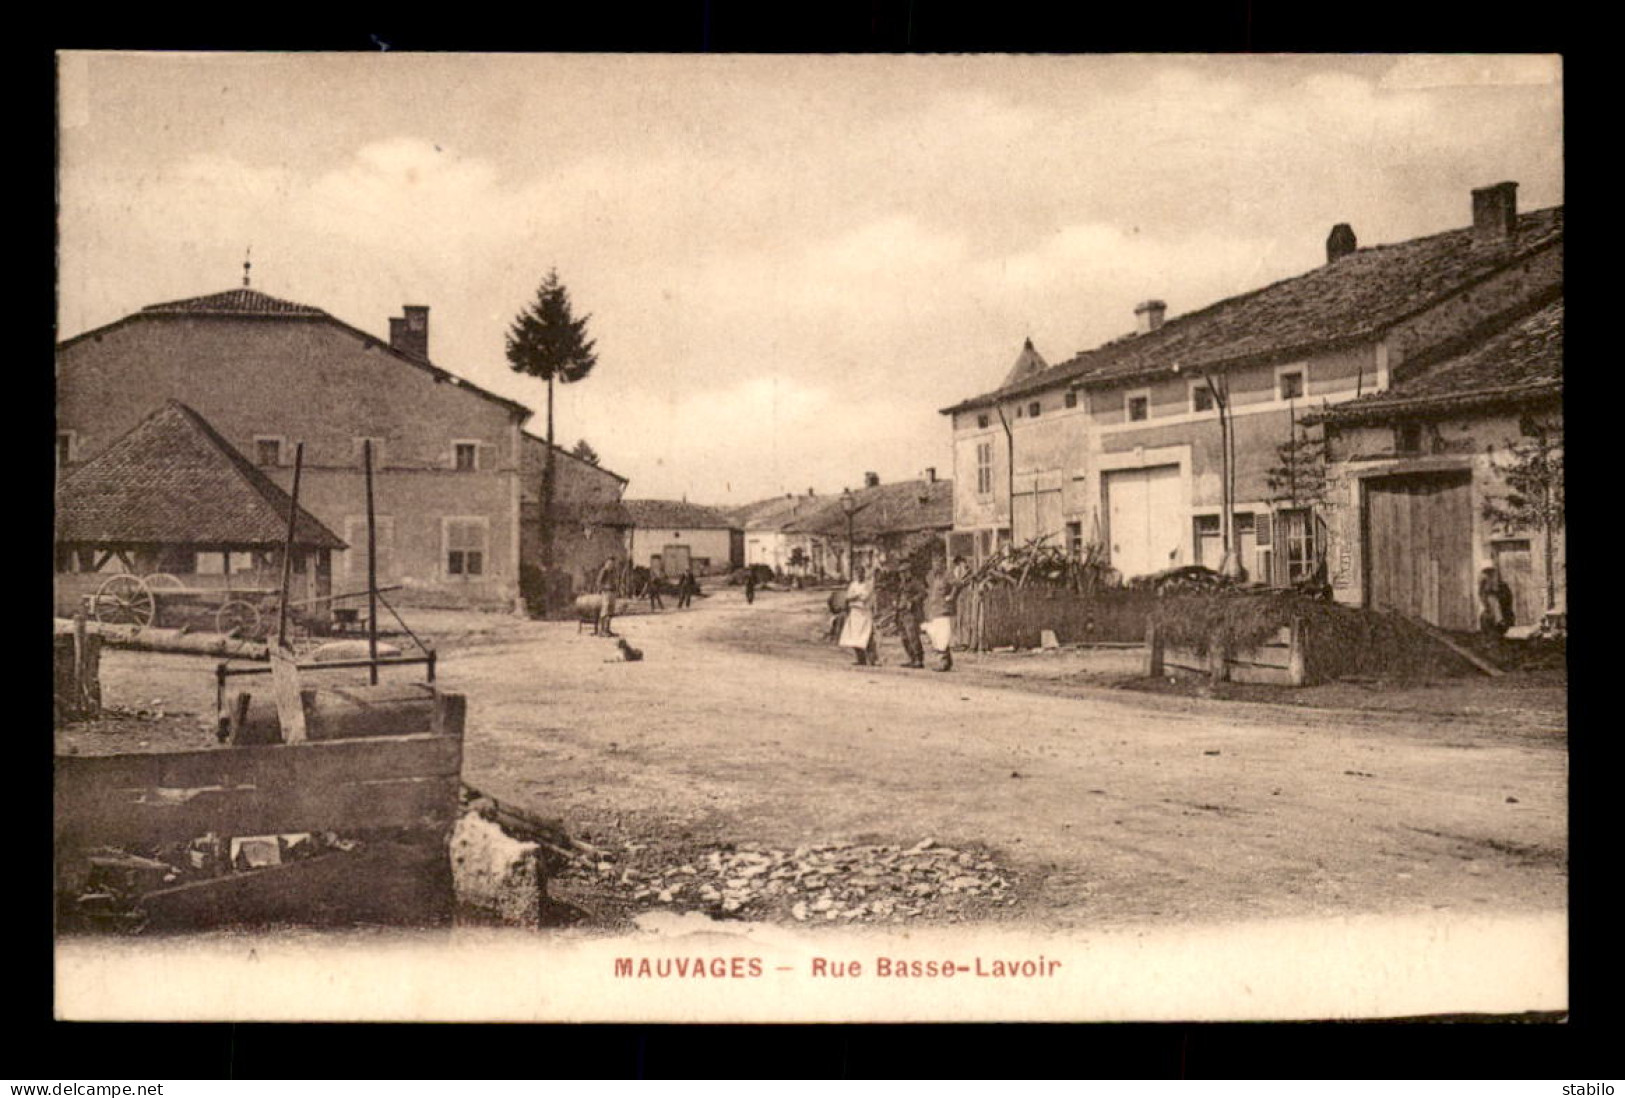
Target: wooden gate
(1145, 519)
(1516, 563)
(1419, 547)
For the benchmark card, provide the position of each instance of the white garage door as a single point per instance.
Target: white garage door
(1146, 511)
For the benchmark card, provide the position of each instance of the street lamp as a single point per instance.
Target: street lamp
(849, 504)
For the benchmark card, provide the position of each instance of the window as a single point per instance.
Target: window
(465, 540)
(267, 450)
(982, 420)
(1074, 539)
(465, 456)
(1290, 384)
(64, 448)
(1034, 408)
(1071, 398)
(377, 452)
(1408, 438)
(1137, 406)
(1297, 538)
(985, 540)
(1019, 410)
(984, 468)
(1003, 538)
(226, 563)
(1201, 397)
(354, 564)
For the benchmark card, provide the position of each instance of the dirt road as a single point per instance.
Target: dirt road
(1108, 807)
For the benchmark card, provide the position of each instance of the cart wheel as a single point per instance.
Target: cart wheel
(237, 618)
(124, 600)
(163, 581)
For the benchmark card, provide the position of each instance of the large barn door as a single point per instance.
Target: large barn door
(1419, 547)
(1146, 521)
(674, 560)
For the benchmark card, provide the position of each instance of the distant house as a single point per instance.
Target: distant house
(881, 518)
(1117, 449)
(669, 537)
(1416, 463)
(775, 537)
(590, 522)
(451, 462)
(172, 496)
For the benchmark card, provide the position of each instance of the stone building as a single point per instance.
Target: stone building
(1118, 448)
(452, 464)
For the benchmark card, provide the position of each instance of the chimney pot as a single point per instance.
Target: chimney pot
(410, 333)
(1495, 213)
(1341, 242)
(1149, 315)
(871, 480)
(930, 474)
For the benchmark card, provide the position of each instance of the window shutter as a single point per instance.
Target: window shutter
(1262, 528)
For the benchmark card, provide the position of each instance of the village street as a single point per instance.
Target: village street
(740, 727)
(1102, 806)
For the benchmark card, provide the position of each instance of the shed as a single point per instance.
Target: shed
(172, 496)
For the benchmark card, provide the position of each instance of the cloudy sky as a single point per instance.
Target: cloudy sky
(791, 263)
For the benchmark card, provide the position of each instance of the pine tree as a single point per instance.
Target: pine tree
(584, 451)
(1533, 474)
(547, 341)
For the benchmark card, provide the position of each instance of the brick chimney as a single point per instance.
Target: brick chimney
(809, 492)
(871, 480)
(1495, 213)
(1148, 315)
(1341, 242)
(930, 474)
(410, 333)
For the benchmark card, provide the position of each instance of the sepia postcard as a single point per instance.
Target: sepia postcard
(615, 537)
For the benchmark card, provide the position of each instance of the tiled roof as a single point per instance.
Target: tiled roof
(1521, 362)
(172, 480)
(671, 514)
(899, 508)
(239, 302)
(244, 302)
(1354, 297)
(779, 512)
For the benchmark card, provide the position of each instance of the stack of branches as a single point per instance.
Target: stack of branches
(1032, 565)
(1035, 564)
(1339, 640)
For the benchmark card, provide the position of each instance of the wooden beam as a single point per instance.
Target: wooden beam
(134, 817)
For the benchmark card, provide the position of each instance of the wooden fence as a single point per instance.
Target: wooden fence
(1278, 661)
(998, 617)
(403, 789)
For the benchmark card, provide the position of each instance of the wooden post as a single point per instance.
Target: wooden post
(372, 569)
(1296, 664)
(1153, 650)
(284, 668)
(1218, 659)
(287, 549)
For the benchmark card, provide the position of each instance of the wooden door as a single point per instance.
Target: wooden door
(1516, 563)
(1146, 524)
(1419, 547)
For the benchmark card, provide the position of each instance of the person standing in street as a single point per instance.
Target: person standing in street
(655, 601)
(685, 589)
(910, 615)
(858, 631)
(750, 585)
(606, 598)
(938, 613)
